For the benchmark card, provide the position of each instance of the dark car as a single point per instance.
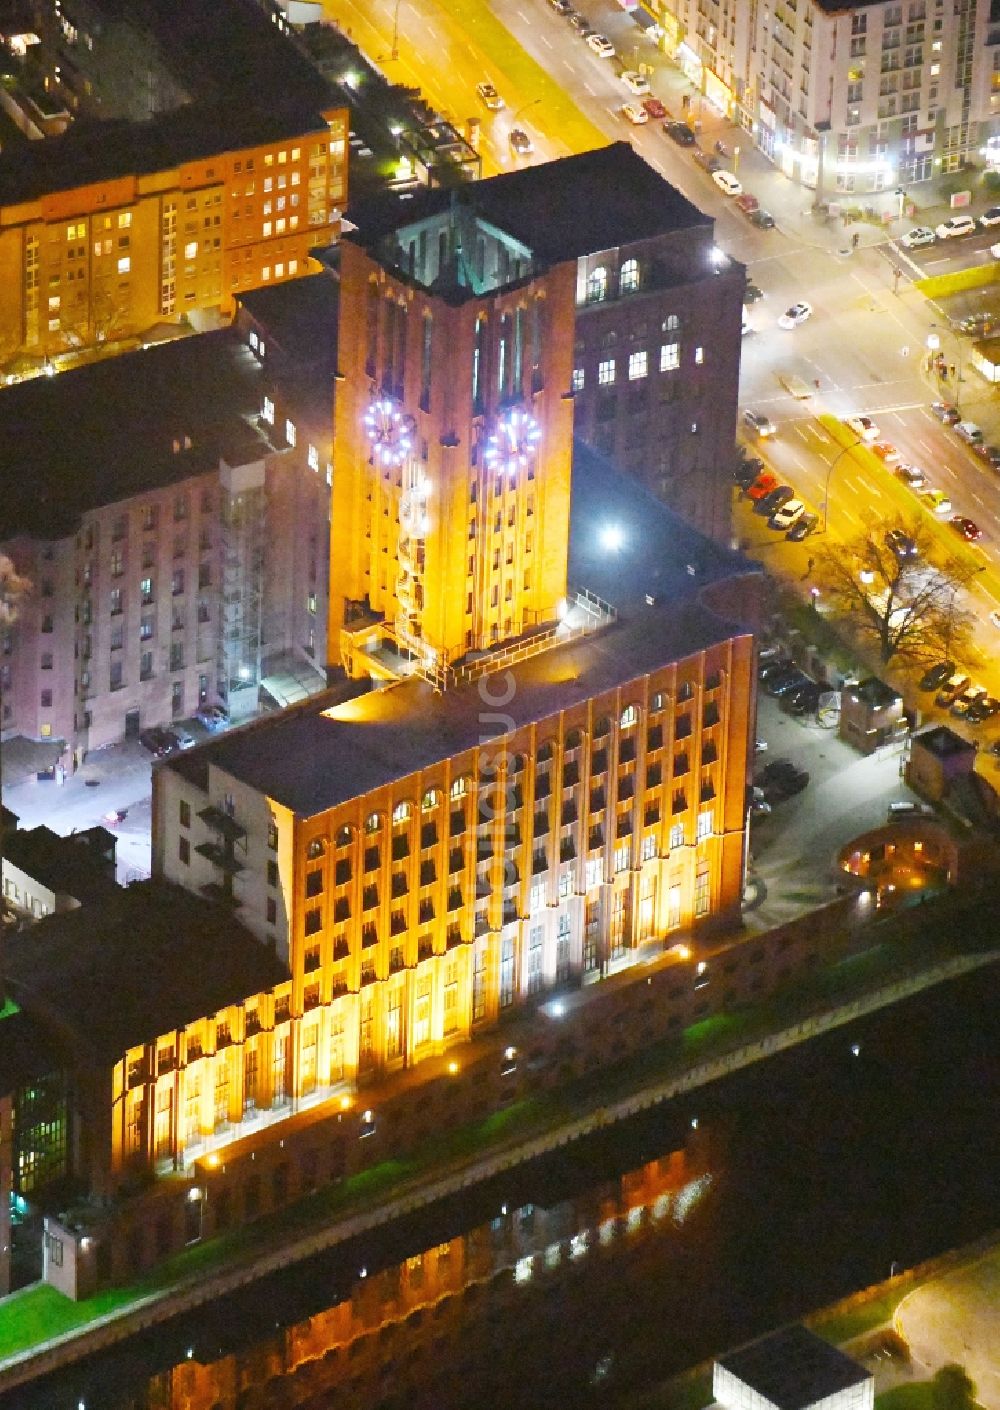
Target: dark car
(679, 132)
(520, 143)
(578, 21)
(944, 411)
(803, 528)
(705, 159)
(802, 701)
(561, 7)
(159, 742)
(768, 503)
(752, 293)
(785, 785)
(787, 685)
(936, 675)
(991, 454)
(983, 708)
(763, 219)
(966, 527)
(902, 545)
(745, 473)
(773, 665)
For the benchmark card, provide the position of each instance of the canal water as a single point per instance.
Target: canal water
(591, 1275)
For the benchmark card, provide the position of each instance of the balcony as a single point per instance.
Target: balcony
(219, 857)
(222, 823)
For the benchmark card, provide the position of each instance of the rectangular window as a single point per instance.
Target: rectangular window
(579, 378)
(706, 820)
(670, 356)
(606, 372)
(638, 365)
(506, 972)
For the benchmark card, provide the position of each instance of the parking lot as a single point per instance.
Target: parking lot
(792, 849)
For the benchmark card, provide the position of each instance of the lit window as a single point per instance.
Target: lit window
(312, 458)
(254, 341)
(191, 249)
(699, 355)
(290, 432)
(124, 264)
(124, 220)
(638, 365)
(279, 271)
(578, 379)
(597, 286)
(677, 835)
(622, 858)
(629, 716)
(266, 229)
(401, 813)
(628, 280)
(268, 412)
(265, 273)
(606, 372)
(670, 356)
(706, 819)
(293, 266)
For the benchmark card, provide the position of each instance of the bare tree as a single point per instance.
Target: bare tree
(895, 588)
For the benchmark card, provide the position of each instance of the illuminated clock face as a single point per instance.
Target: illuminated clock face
(513, 443)
(389, 432)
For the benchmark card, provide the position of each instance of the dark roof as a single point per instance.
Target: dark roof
(873, 691)
(81, 865)
(561, 210)
(300, 316)
(92, 151)
(309, 761)
(794, 1368)
(149, 959)
(943, 742)
(125, 413)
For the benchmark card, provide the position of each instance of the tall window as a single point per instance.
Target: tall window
(371, 328)
(506, 972)
(517, 370)
(534, 978)
(628, 280)
(426, 350)
(478, 365)
(597, 285)
(479, 983)
(422, 1012)
(394, 1025)
(504, 357)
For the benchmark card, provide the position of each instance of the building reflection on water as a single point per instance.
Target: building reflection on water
(413, 1332)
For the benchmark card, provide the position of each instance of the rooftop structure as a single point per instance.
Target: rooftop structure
(43, 872)
(793, 1369)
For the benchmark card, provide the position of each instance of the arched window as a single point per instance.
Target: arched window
(344, 836)
(572, 740)
(316, 848)
(430, 800)
(372, 822)
(658, 701)
(671, 324)
(401, 813)
(460, 787)
(597, 285)
(628, 280)
(630, 716)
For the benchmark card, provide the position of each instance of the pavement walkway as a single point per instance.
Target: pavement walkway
(956, 1317)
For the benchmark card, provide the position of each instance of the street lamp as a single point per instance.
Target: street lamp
(852, 445)
(530, 104)
(934, 347)
(394, 54)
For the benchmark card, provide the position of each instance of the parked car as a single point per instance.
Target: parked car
(952, 688)
(785, 685)
(520, 143)
(774, 665)
(955, 225)
(969, 432)
(763, 219)
(561, 7)
(185, 739)
(489, 96)
(654, 107)
(767, 505)
(158, 741)
(944, 411)
(982, 709)
(765, 482)
(792, 317)
(802, 701)
(937, 501)
(803, 528)
(760, 423)
(635, 82)
(968, 528)
(601, 46)
(752, 292)
(747, 470)
(900, 812)
(786, 785)
(634, 113)
(727, 182)
(963, 703)
(936, 675)
(918, 236)
(705, 159)
(886, 452)
(863, 426)
(679, 132)
(788, 515)
(989, 453)
(990, 217)
(911, 475)
(213, 717)
(901, 544)
(747, 203)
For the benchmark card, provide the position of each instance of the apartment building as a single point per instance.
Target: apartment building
(177, 542)
(846, 97)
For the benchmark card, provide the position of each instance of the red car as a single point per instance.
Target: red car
(654, 107)
(968, 528)
(765, 482)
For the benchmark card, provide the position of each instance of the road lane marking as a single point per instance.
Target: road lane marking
(524, 17)
(547, 42)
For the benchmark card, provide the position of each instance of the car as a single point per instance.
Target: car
(520, 143)
(746, 470)
(636, 83)
(157, 741)
(901, 544)
(944, 411)
(747, 203)
(777, 666)
(785, 685)
(919, 236)
(952, 688)
(579, 22)
(769, 503)
(937, 501)
(911, 475)
(863, 426)
(803, 528)
(601, 46)
(679, 132)
(990, 217)
(726, 182)
(804, 700)
(707, 161)
(902, 811)
(962, 703)
(777, 768)
(989, 453)
(752, 293)
(634, 114)
(759, 808)
(969, 432)
(489, 96)
(787, 786)
(983, 708)
(936, 675)
(654, 107)
(980, 322)
(759, 423)
(995, 251)
(763, 219)
(968, 528)
(995, 620)
(561, 7)
(795, 315)
(185, 739)
(213, 717)
(955, 225)
(886, 452)
(788, 515)
(765, 482)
